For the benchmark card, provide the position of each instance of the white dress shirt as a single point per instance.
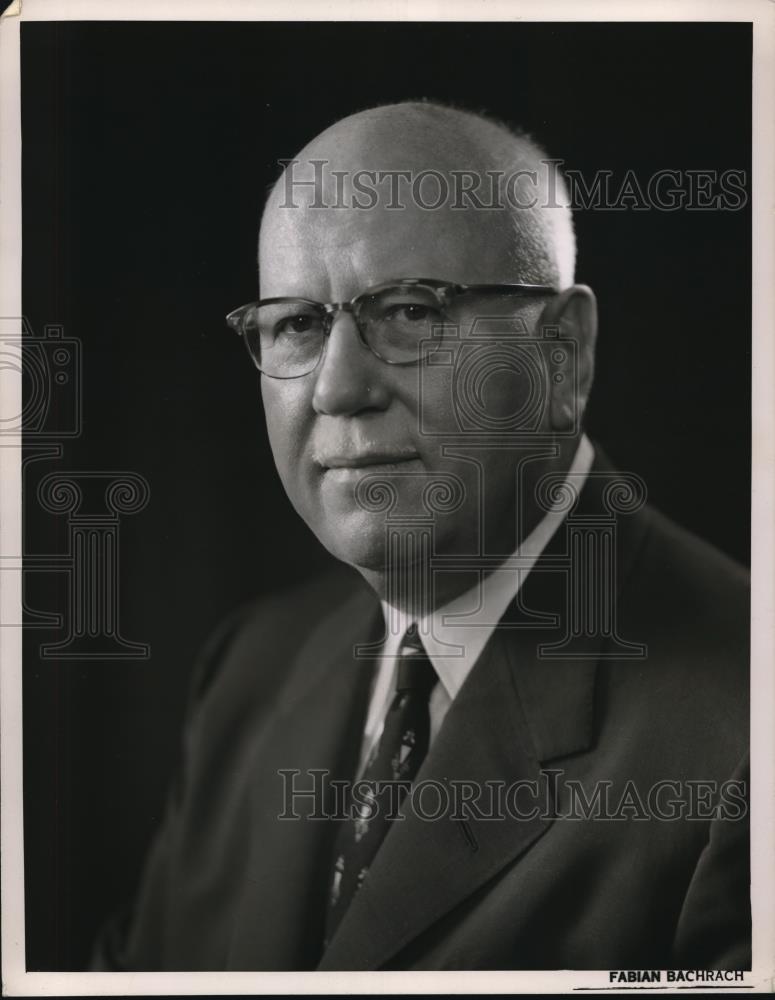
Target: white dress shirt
(465, 624)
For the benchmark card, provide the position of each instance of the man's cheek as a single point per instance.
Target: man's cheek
(286, 428)
(436, 405)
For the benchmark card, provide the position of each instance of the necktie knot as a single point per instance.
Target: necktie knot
(415, 671)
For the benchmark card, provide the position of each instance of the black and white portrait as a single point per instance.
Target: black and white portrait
(384, 452)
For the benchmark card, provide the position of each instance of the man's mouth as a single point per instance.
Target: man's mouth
(372, 460)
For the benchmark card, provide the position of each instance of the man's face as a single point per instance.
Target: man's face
(356, 416)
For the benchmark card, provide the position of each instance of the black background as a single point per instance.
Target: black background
(147, 151)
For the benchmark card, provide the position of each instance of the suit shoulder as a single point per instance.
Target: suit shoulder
(687, 604)
(304, 603)
(267, 631)
(690, 569)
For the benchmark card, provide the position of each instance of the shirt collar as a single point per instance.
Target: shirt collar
(455, 634)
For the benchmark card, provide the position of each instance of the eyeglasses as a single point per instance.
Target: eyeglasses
(400, 322)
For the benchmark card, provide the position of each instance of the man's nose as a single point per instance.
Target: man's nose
(349, 378)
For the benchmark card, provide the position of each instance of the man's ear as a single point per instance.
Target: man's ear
(570, 318)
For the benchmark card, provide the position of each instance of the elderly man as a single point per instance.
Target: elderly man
(520, 743)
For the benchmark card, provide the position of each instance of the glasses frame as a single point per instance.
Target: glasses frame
(445, 292)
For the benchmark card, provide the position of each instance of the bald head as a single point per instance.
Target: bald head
(416, 173)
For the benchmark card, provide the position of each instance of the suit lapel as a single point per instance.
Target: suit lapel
(316, 728)
(427, 867)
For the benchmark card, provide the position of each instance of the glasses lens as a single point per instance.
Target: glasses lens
(403, 323)
(286, 338)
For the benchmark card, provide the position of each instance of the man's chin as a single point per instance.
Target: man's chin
(364, 547)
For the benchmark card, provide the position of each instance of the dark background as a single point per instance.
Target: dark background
(147, 149)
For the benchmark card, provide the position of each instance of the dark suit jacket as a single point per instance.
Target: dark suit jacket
(228, 885)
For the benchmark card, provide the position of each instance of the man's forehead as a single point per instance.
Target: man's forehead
(351, 245)
(385, 224)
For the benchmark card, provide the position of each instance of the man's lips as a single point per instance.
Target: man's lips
(364, 460)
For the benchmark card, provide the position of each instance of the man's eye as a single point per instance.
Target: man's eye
(409, 313)
(302, 323)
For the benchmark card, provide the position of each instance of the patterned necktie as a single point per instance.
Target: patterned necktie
(390, 770)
